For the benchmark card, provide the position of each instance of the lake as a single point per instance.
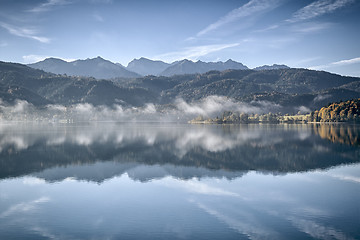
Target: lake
(179, 181)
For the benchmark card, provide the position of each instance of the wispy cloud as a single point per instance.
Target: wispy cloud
(271, 27)
(45, 233)
(195, 186)
(347, 62)
(36, 58)
(347, 178)
(318, 8)
(97, 17)
(302, 62)
(251, 227)
(249, 9)
(313, 10)
(47, 6)
(193, 53)
(33, 58)
(338, 63)
(24, 32)
(3, 44)
(24, 207)
(316, 230)
(102, 1)
(310, 27)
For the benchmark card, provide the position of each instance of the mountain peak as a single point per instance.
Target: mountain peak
(185, 61)
(230, 61)
(96, 59)
(145, 66)
(52, 59)
(271, 67)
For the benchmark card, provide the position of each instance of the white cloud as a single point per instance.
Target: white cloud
(215, 104)
(347, 62)
(338, 63)
(37, 58)
(247, 10)
(33, 58)
(318, 8)
(304, 109)
(47, 6)
(193, 53)
(24, 32)
(321, 97)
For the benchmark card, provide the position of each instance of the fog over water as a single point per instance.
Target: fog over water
(180, 110)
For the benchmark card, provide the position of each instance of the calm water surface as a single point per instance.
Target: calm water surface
(156, 181)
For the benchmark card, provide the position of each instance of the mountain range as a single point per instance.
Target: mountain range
(190, 67)
(95, 67)
(103, 69)
(289, 88)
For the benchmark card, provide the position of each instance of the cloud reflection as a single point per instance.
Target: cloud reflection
(213, 139)
(246, 224)
(317, 230)
(24, 207)
(196, 186)
(161, 149)
(347, 178)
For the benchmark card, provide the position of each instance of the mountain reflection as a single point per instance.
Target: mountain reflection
(99, 151)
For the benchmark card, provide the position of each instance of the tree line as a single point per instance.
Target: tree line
(343, 111)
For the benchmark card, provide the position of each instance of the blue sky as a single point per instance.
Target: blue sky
(321, 34)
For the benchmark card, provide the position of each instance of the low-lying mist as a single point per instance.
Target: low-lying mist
(178, 111)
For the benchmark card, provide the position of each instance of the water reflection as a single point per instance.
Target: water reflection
(119, 181)
(255, 206)
(149, 151)
(343, 133)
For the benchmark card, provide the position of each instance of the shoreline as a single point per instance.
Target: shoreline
(279, 123)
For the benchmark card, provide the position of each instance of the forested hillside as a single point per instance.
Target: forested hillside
(348, 111)
(39, 88)
(288, 88)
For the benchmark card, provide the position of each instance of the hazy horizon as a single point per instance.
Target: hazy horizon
(320, 35)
